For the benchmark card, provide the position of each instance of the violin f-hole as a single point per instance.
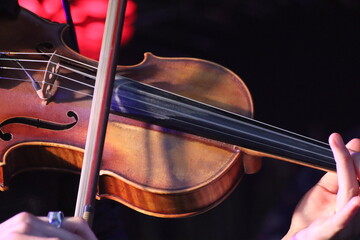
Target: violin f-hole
(35, 122)
(5, 136)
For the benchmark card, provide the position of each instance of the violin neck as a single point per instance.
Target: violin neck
(153, 105)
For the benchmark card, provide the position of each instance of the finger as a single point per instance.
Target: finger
(19, 236)
(347, 180)
(63, 232)
(354, 145)
(329, 182)
(80, 227)
(76, 226)
(327, 228)
(22, 223)
(356, 159)
(252, 164)
(340, 220)
(354, 148)
(26, 226)
(31, 227)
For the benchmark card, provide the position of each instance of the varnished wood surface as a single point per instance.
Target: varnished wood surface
(158, 169)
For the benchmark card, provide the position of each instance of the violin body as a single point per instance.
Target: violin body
(152, 169)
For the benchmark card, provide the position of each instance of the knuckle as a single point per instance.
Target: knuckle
(23, 222)
(23, 217)
(80, 220)
(24, 227)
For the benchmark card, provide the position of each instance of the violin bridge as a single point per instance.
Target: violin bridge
(51, 72)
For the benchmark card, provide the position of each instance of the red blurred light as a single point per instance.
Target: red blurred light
(88, 17)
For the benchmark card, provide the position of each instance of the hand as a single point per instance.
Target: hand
(327, 210)
(25, 226)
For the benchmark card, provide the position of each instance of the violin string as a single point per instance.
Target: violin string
(45, 61)
(15, 79)
(55, 85)
(24, 60)
(261, 134)
(45, 71)
(37, 70)
(78, 72)
(60, 56)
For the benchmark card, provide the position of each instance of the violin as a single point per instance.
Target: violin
(179, 134)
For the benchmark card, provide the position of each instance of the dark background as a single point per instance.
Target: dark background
(300, 60)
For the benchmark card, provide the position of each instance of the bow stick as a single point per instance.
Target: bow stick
(100, 110)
